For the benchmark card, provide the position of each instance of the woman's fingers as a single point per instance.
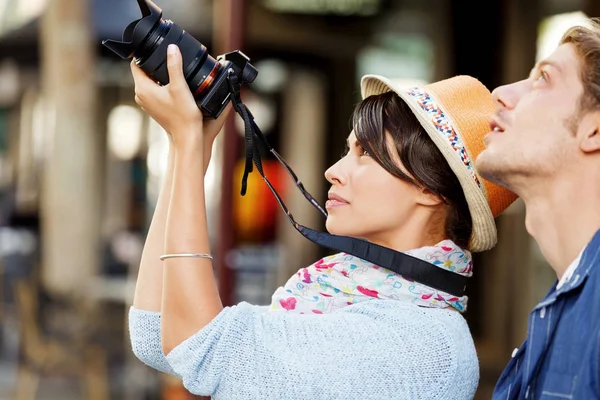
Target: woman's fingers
(139, 76)
(144, 86)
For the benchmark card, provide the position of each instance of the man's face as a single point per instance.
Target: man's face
(533, 130)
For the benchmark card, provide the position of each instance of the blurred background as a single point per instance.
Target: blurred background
(81, 165)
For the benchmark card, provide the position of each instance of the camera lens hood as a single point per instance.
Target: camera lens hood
(136, 32)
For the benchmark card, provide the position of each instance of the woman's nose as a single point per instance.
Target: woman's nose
(334, 174)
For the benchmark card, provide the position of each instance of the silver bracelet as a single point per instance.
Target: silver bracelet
(192, 255)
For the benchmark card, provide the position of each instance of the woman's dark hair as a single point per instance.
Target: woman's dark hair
(387, 113)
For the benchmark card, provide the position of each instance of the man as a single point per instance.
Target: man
(545, 147)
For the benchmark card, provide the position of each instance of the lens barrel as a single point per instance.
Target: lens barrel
(198, 66)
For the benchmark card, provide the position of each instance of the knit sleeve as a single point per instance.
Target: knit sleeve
(245, 354)
(146, 342)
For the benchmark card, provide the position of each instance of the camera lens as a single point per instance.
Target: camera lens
(147, 40)
(199, 67)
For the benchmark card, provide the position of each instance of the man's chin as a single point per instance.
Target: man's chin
(492, 168)
(486, 160)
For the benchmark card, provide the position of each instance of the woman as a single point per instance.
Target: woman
(341, 328)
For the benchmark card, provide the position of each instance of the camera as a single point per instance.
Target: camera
(146, 41)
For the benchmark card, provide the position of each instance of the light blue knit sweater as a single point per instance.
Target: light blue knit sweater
(378, 349)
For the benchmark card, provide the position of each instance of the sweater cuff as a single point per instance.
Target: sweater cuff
(146, 341)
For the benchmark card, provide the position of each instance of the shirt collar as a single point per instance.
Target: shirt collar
(586, 261)
(566, 277)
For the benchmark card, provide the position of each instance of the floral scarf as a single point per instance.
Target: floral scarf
(342, 279)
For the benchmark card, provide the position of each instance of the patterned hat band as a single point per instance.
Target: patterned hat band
(444, 126)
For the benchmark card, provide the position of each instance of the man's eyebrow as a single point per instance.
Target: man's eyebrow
(542, 64)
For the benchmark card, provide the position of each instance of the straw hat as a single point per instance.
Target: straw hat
(455, 113)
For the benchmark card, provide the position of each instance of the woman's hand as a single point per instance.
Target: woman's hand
(173, 106)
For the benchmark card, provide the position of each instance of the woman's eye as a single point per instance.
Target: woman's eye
(361, 151)
(543, 76)
(345, 152)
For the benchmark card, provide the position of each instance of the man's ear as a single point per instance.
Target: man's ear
(589, 132)
(428, 198)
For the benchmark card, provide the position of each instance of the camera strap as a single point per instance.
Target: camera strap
(403, 264)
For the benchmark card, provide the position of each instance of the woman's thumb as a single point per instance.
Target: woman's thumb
(175, 66)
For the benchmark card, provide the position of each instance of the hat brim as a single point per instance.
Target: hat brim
(484, 233)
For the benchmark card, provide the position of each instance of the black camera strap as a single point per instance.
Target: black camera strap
(403, 264)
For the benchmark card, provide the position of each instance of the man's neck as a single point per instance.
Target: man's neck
(562, 218)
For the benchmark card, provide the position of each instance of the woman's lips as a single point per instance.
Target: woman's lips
(334, 203)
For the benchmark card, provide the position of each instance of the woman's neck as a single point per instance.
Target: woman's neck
(427, 229)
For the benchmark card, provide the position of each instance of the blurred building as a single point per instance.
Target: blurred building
(310, 55)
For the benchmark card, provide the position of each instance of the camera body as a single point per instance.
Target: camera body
(146, 41)
(218, 95)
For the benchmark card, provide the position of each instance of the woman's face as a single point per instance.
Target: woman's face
(368, 202)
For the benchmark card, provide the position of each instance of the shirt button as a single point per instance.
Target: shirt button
(543, 313)
(514, 353)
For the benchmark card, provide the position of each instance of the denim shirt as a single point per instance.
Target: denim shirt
(560, 359)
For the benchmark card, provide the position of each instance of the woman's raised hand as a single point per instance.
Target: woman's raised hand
(173, 106)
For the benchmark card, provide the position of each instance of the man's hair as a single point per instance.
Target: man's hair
(586, 40)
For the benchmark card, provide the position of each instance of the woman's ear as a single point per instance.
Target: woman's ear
(427, 198)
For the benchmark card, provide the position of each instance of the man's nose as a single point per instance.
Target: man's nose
(507, 96)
